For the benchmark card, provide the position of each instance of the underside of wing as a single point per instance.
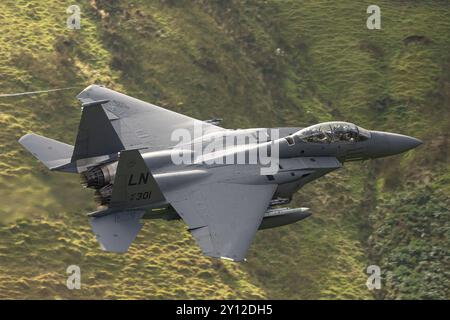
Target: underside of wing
(223, 217)
(140, 124)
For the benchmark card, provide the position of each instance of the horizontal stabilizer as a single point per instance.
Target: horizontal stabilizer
(53, 154)
(116, 231)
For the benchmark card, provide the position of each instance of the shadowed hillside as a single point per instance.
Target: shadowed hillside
(255, 64)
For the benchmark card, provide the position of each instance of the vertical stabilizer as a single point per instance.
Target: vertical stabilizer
(96, 136)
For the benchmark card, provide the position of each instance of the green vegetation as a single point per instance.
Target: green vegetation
(410, 239)
(256, 64)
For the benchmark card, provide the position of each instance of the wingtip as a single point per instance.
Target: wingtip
(232, 259)
(227, 258)
(84, 94)
(24, 137)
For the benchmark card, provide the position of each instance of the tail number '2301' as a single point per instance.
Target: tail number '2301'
(143, 179)
(140, 196)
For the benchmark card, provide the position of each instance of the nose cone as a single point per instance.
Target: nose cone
(387, 144)
(400, 143)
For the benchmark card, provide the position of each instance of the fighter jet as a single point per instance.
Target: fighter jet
(147, 162)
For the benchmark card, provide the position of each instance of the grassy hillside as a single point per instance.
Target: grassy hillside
(255, 64)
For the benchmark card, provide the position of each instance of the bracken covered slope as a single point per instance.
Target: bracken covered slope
(255, 64)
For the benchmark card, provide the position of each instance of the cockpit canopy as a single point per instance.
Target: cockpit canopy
(329, 132)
